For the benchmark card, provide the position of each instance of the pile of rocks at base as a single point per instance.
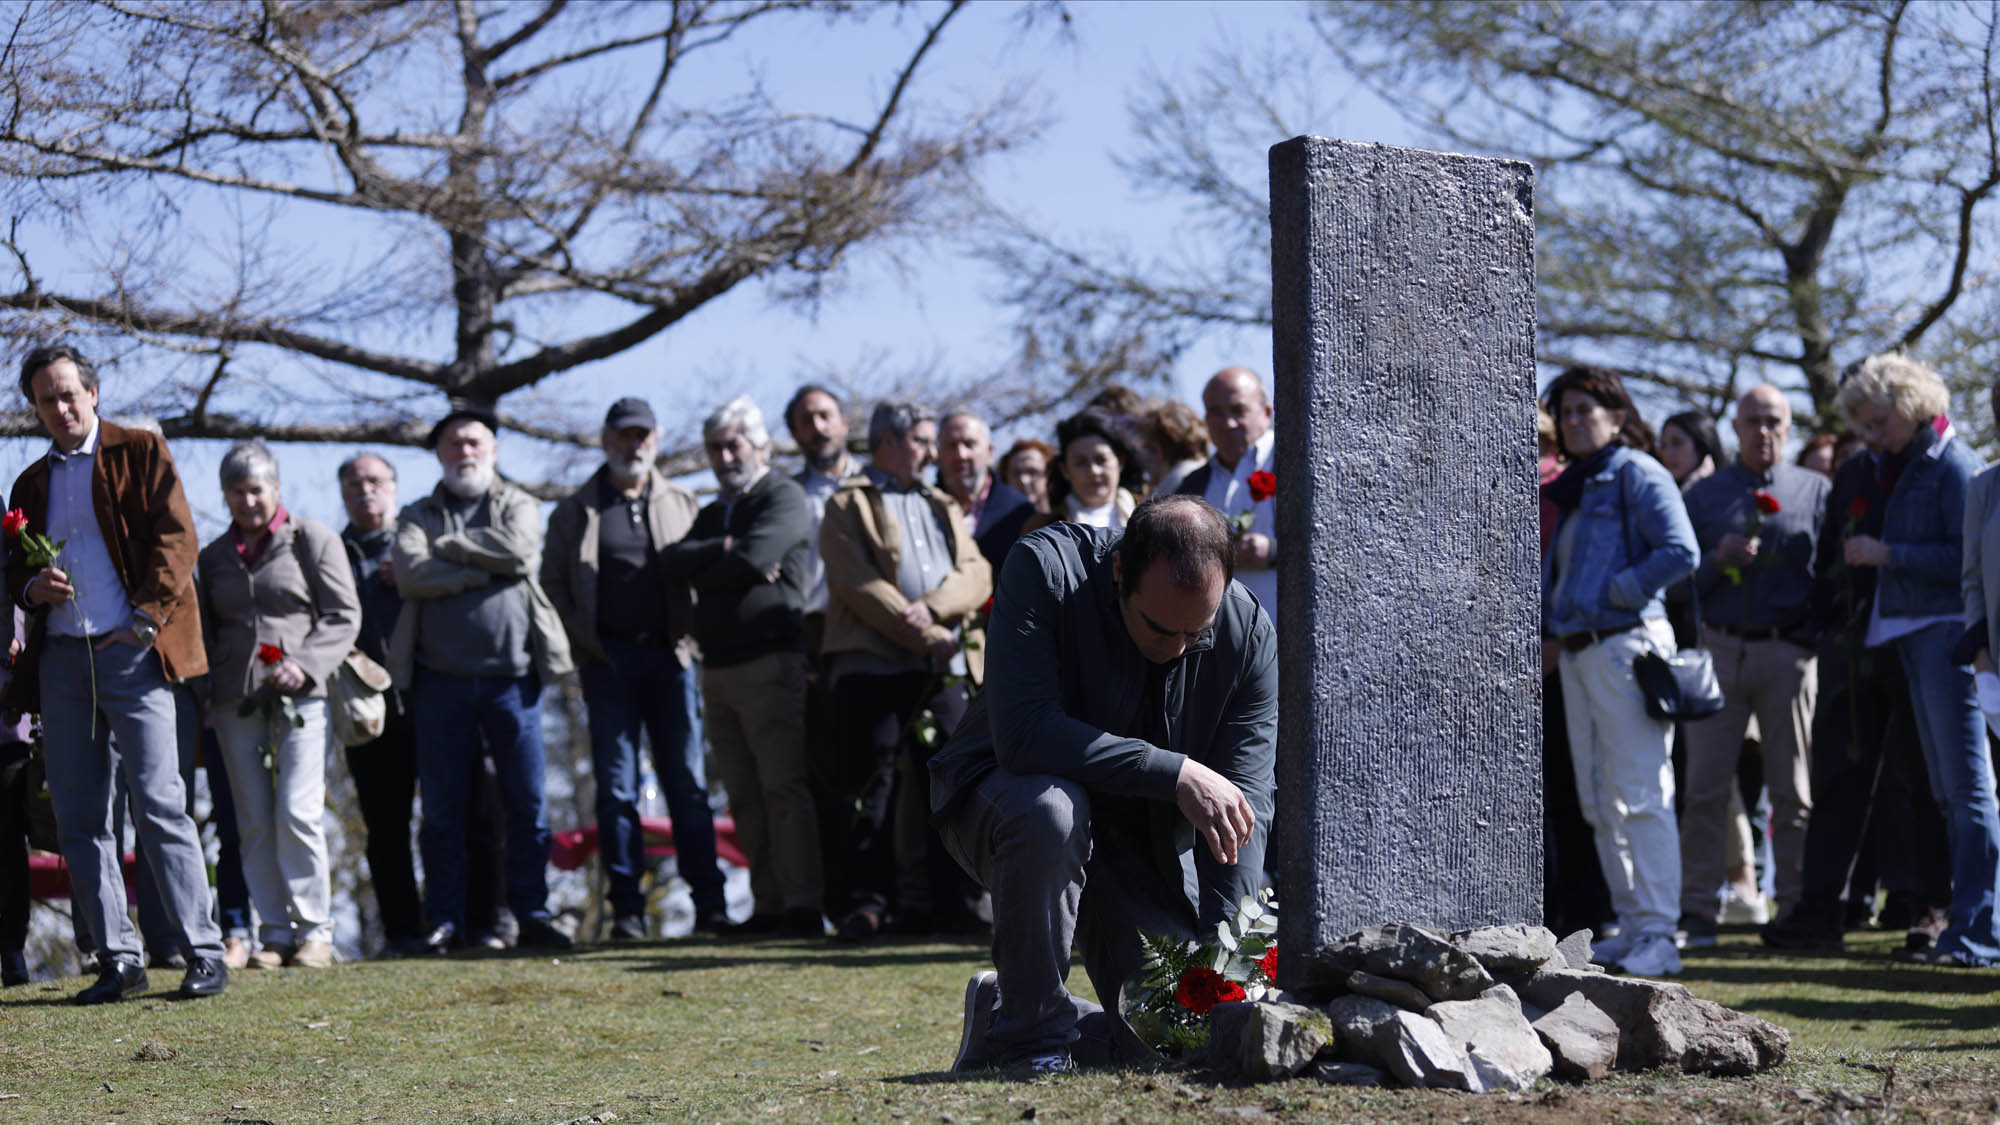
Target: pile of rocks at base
(1479, 1010)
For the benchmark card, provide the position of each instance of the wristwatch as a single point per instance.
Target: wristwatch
(146, 631)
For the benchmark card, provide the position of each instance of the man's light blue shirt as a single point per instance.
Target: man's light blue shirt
(101, 603)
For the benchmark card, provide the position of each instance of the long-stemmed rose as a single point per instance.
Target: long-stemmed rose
(1262, 485)
(1762, 504)
(42, 551)
(273, 704)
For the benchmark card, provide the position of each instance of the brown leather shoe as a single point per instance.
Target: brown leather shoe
(235, 953)
(313, 955)
(271, 957)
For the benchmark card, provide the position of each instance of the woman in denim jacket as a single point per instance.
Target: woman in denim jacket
(1898, 406)
(1623, 537)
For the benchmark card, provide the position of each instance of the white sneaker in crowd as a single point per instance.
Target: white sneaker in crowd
(1612, 948)
(1654, 956)
(1739, 909)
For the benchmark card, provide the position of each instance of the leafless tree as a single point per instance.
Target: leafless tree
(332, 216)
(1729, 192)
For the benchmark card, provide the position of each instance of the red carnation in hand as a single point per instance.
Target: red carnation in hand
(14, 522)
(1857, 508)
(1269, 963)
(1263, 485)
(269, 654)
(1766, 503)
(1202, 989)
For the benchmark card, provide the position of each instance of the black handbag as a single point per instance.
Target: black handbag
(1681, 686)
(1684, 685)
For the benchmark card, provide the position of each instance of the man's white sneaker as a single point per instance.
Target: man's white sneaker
(1654, 956)
(982, 995)
(1610, 950)
(1739, 909)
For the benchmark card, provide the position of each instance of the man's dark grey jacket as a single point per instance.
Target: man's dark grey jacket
(1063, 681)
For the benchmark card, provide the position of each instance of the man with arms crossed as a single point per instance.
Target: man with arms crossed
(1130, 706)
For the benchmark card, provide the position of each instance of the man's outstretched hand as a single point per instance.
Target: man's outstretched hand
(1216, 808)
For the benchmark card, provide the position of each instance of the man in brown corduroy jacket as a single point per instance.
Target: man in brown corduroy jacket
(114, 623)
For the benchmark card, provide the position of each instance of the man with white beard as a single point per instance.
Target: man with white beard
(472, 650)
(625, 619)
(745, 557)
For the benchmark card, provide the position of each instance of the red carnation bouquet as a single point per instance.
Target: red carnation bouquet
(1180, 982)
(274, 705)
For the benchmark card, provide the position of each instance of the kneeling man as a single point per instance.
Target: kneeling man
(1130, 706)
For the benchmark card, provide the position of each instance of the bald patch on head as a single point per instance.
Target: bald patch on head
(1764, 394)
(1234, 379)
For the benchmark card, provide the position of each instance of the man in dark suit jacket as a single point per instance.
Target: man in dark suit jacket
(994, 512)
(114, 624)
(745, 557)
(1129, 717)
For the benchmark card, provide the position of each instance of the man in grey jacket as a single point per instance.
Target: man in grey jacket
(476, 642)
(1130, 706)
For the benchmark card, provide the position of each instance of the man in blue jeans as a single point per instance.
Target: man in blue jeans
(625, 618)
(475, 642)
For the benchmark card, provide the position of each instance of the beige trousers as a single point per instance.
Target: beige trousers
(1778, 683)
(754, 714)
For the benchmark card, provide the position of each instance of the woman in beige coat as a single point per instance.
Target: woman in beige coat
(279, 614)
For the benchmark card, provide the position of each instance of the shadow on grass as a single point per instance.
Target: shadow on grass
(873, 957)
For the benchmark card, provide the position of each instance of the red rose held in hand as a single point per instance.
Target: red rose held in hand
(1269, 963)
(14, 522)
(269, 654)
(1202, 989)
(1766, 503)
(1857, 508)
(1263, 485)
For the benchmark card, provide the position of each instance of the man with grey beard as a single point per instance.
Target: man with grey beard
(472, 650)
(626, 617)
(746, 559)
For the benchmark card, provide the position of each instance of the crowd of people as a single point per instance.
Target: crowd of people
(816, 635)
(1848, 601)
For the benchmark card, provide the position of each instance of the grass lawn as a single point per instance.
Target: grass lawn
(796, 1031)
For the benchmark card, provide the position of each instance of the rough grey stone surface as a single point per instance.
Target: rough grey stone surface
(1280, 1040)
(1402, 994)
(1575, 949)
(1411, 1047)
(1333, 1072)
(1408, 953)
(1404, 378)
(1506, 1053)
(1225, 1032)
(1508, 951)
(1581, 1037)
(1661, 1024)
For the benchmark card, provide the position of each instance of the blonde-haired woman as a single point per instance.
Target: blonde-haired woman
(1898, 407)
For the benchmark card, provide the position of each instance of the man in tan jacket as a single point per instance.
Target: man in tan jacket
(626, 616)
(114, 623)
(474, 646)
(905, 587)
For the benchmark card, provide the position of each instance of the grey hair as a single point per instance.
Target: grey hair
(347, 467)
(247, 460)
(739, 414)
(956, 413)
(896, 420)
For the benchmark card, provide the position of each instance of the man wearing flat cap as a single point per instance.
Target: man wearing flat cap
(476, 643)
(626, 618)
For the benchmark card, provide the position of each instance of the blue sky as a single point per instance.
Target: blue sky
(930, 302)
